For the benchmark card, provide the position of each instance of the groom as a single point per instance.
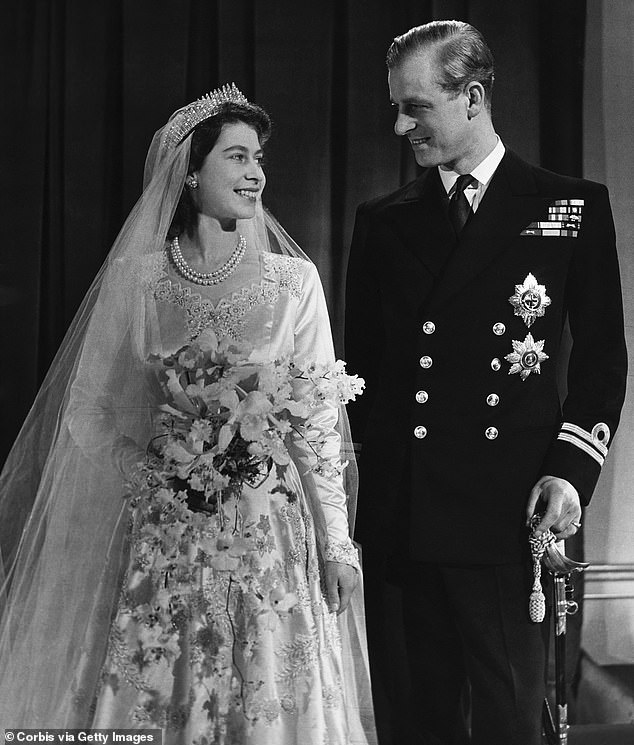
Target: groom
(459, 285)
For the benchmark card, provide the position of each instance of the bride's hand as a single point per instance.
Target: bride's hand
(341, 579)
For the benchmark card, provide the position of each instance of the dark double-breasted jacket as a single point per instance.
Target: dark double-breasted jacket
(460, 343)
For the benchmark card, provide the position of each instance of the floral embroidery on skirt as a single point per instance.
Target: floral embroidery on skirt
(254, 658)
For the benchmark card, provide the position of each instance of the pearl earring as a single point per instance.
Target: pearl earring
(191, 182)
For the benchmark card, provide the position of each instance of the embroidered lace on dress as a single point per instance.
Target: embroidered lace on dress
(343, 552)
(227, 317)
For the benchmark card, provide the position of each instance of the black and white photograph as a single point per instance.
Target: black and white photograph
(318, 424)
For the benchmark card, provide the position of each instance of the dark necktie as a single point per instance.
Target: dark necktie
(459, 207)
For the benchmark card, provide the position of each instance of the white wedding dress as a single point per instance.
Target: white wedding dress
(264, 666)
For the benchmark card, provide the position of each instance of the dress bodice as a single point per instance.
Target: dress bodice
(258, 306)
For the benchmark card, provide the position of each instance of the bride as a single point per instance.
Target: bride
(185, 561)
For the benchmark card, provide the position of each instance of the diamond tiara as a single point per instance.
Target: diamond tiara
(189, 116)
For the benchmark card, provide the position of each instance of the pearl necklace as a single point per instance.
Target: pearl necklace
(208, 278)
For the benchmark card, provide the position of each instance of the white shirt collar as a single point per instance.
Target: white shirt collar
(482, 172)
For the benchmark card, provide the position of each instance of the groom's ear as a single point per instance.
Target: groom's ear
(475, 96)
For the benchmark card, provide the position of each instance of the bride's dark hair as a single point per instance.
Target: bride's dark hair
(204, 137)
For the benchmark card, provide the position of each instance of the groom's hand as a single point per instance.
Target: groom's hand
(562, 503)
(341, 579)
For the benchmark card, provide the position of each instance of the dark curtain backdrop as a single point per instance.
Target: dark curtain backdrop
(85, 83)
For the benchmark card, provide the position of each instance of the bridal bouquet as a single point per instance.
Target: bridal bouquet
(225, 422)
(226, 419)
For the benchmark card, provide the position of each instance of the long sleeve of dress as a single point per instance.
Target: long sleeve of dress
(313, 343)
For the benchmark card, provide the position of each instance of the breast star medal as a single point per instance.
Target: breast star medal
(530, 300)
(526, 357)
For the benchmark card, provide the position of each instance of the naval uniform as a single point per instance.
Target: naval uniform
(459, 340)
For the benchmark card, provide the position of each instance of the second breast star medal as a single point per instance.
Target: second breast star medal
(526, 357)
(530, 300)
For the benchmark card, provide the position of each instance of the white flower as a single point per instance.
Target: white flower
(274, 381)
(229, 399)
(230, 549)
(217, 483)
(278, 450)
(184, 471)
(282, 601)
(257, 449)
(253, 428)
(283, 426)
(179, 396)
(255, 403)
(213, 391)
(196, 482)
(207, 340)
(189, 357)
(350, 386)
(270, 445)
(164, 496)
(299, 409)
(174, 451)
(196, 390)
(252, 414)
(201, 431)
(276, 606)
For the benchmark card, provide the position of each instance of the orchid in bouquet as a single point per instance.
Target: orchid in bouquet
(225, 422)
